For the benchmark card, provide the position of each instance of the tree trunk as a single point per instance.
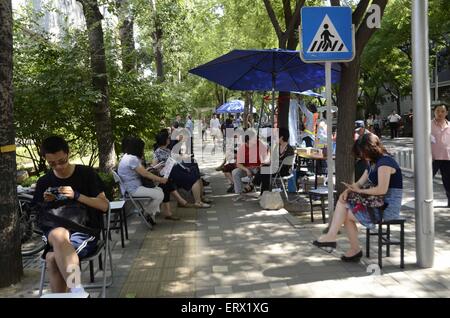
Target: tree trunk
(126, 24)
(246, 109)
(283, 110)
(102, 112)
(398, 101)
(347, 96)
(10, 259)
(157, 42)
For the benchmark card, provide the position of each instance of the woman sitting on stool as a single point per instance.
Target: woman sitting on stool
(386, 177)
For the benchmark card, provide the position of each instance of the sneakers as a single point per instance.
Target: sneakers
(246, 179)
(240, 197)
(230, 189)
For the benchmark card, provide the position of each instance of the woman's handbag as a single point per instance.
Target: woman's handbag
(72, 216)
(369, 201)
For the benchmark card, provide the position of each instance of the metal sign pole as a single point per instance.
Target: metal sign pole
(330, 163)
(421, 133)
(436, 80)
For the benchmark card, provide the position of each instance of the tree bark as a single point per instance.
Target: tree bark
(347, 96)
(157, 35)
(126, 33)
(246, 109)
(286, 40)
(102, 112)
(10, 259)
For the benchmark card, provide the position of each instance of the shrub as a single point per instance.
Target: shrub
(29, 181)
(109, 183)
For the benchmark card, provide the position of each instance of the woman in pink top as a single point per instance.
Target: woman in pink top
(440, 146)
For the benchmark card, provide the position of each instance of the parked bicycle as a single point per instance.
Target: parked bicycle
(31, 235)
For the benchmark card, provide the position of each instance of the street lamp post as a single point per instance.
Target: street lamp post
(422, 131)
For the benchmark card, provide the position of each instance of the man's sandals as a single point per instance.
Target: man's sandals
(248, 188)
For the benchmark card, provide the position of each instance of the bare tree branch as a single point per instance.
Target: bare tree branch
(364, 32)
(358, 14)
(287, 12)
(273, 19)
(295, 20)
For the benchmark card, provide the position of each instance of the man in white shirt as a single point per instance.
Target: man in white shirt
(214, 125)
(394, 120)
(190, 126)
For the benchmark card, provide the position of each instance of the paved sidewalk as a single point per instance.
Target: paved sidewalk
(238, 250)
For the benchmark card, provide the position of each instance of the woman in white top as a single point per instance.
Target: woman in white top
(131, 170)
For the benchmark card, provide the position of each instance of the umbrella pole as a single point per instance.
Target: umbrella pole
(273, 104)
(260, 114)
(330, 162)
(272, 141)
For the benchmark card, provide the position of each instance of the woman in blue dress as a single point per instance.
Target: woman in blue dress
(385, 178)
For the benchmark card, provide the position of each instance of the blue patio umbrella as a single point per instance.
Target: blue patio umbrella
(264, 70)
(234, 106)
(310, 93)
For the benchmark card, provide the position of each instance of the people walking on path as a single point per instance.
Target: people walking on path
(394, 123)
(440, 145)
(377, 125)
(214, 125)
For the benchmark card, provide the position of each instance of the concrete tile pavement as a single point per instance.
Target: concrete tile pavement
(238, 250)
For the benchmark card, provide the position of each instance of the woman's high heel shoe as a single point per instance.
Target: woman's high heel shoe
(324, 244)
(354, 258)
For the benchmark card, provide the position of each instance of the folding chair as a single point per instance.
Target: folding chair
(103, 248)
(288, 161)
(136, 201)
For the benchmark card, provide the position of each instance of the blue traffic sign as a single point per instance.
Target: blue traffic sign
(327, 34)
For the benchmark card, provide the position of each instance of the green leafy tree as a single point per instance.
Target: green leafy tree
(53, 92)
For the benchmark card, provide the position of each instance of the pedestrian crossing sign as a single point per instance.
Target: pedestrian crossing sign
(327, 34)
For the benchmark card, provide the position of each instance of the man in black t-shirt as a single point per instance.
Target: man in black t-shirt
(64, 184)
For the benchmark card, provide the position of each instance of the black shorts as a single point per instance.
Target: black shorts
(84, 244)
